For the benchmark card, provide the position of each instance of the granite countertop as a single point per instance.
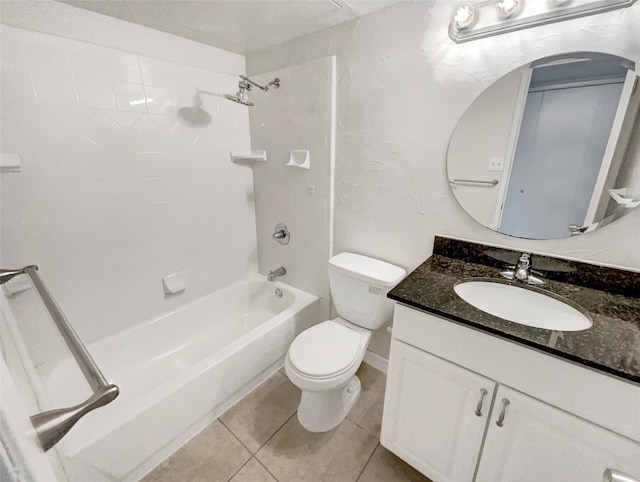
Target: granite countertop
(611, 344)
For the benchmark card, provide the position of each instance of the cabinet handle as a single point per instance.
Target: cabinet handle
(500, 420)
(483, 392)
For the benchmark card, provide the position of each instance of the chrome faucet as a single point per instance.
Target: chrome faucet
(522, 271)
(273, 274)
(523, 268)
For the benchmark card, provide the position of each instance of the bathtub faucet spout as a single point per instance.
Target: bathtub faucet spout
(273, 274)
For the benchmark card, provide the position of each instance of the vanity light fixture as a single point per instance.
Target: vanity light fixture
(486, 18)
(464, 16)
(508, 8)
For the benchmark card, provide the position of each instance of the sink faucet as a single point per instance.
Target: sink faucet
(523, 268)
(273, 274)
(522, 271)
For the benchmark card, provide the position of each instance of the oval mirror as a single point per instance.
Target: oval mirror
(551, 149)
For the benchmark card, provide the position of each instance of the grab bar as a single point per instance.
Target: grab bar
(52, 425)
(473, 181)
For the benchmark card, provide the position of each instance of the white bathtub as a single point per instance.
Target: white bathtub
(176, 373)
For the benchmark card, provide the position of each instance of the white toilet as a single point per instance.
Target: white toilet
(322, 361)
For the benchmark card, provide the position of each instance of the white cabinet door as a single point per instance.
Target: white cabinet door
(538, 442)
(431, 417)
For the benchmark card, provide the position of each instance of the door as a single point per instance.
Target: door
(537, 442)
(435, 413)
(616, 151)
(563, 137)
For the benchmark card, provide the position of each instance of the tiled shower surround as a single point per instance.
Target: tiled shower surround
(115, 190)
(300, 115)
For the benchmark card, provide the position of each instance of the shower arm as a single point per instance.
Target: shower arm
(275, 83)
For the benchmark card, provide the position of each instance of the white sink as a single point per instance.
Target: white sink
(525, 306)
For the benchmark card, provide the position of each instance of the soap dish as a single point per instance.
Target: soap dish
(299, 159)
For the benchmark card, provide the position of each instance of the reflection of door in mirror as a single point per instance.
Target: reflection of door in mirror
(551, 149)
(564, 133)
(621, 164)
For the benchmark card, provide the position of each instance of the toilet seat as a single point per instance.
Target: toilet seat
(326, 350)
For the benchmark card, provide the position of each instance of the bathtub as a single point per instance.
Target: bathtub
(176, 374)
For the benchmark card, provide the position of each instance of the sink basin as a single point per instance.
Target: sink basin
(524, 305)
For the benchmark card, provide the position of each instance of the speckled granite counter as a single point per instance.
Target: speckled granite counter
(611, 345)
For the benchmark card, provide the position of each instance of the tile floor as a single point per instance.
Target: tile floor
(260, 440)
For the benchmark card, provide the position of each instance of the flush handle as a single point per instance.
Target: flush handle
(483, 393)
(500, 420)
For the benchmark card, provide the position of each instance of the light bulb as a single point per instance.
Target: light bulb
(464, 16)
(506, 8)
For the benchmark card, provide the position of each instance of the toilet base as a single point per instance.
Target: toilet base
(325, 410)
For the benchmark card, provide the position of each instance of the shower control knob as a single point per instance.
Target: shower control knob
(281, 234)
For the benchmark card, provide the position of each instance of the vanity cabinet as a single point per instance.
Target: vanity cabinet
(536, 441)
(438, 431)
(541, 419)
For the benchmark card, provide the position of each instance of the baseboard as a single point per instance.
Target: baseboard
(376, 361)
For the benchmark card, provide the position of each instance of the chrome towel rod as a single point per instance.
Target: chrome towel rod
(473, 181)
(52, 425)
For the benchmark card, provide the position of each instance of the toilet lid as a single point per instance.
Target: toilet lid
(325, 349)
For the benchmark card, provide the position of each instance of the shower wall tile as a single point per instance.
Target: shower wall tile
(116, 191)
(130, 96)
(295, 116)
(51, 75)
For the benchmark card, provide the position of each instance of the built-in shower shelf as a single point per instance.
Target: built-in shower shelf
(299, 159)
(248, 157)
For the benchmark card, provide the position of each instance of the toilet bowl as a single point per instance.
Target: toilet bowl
(323, 360)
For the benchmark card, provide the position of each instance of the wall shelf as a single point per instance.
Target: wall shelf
(249, 157)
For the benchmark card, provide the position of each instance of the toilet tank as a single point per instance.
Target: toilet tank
(359, 287)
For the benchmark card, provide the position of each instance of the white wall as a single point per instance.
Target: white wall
(298, 115)
(116, 193)
(402, 86)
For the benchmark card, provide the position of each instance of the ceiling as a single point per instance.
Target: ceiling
(235, 25)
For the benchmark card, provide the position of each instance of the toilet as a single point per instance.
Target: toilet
(322, 361)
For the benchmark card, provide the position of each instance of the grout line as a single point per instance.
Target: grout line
(368, 460)
(365, 430)
(274, 433)
(236, 437)
(265, 468)
(241, 467)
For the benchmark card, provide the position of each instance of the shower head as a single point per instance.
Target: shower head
(195, 116)
(240, 97)
(245, 84)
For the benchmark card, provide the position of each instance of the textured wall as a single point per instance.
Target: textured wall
(402, 86)
(298, 116)
(116, 191)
